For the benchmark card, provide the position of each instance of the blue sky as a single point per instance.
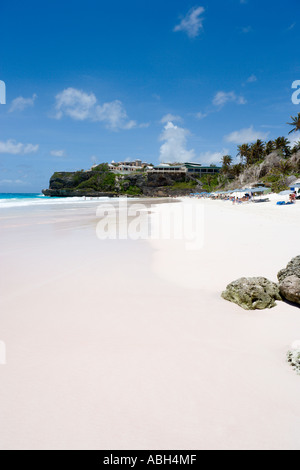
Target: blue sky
(90, 81)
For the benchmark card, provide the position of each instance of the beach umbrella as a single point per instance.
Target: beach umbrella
(235, 192)
(259, 190)
(285, 193)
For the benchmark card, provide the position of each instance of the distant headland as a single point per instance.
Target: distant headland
(275, 164)
(134, 178)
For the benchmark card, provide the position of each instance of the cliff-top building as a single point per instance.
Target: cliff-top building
(189, 167)
(127, 166)
(194, 168)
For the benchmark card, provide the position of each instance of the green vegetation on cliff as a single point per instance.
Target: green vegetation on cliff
(100, 181)
(133, 191)
(185, 185)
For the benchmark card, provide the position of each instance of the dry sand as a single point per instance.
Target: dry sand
(128, 345)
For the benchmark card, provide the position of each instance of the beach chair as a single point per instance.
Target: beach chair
(261, 200)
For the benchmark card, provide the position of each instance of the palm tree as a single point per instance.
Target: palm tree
(226, 164)
(296, 147)
(257, 151)
(285, 167)
(295, 123)
(270, 146)
(281, 143)
(237, 169)
(208, 180)
(244, 152)
(226, 160)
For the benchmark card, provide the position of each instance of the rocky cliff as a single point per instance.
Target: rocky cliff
(100, 182)
(274, 171)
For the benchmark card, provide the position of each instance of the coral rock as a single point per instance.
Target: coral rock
(289, 281)
(255, 293)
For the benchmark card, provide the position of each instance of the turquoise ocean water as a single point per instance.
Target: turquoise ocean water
(19, 199)
(10, 200)
(20, 196)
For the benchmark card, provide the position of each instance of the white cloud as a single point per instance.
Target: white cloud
(221, 98)
(252, 79)
(200, 115)
(20, 182)
(75, 103)
(144, 125)
(57, 153)
(16, 148)
(170, 117)
(156, 96)
(20, 103)
(80, 106)
(292, 26)
(294, 138)
(246, 135)
(212, 158)
(174, 147)
(246, 29)
(192, 23)
(114, 115)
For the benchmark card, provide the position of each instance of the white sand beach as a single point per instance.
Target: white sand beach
(127, 344)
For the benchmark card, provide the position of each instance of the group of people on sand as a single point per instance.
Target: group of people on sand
(246, 198)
